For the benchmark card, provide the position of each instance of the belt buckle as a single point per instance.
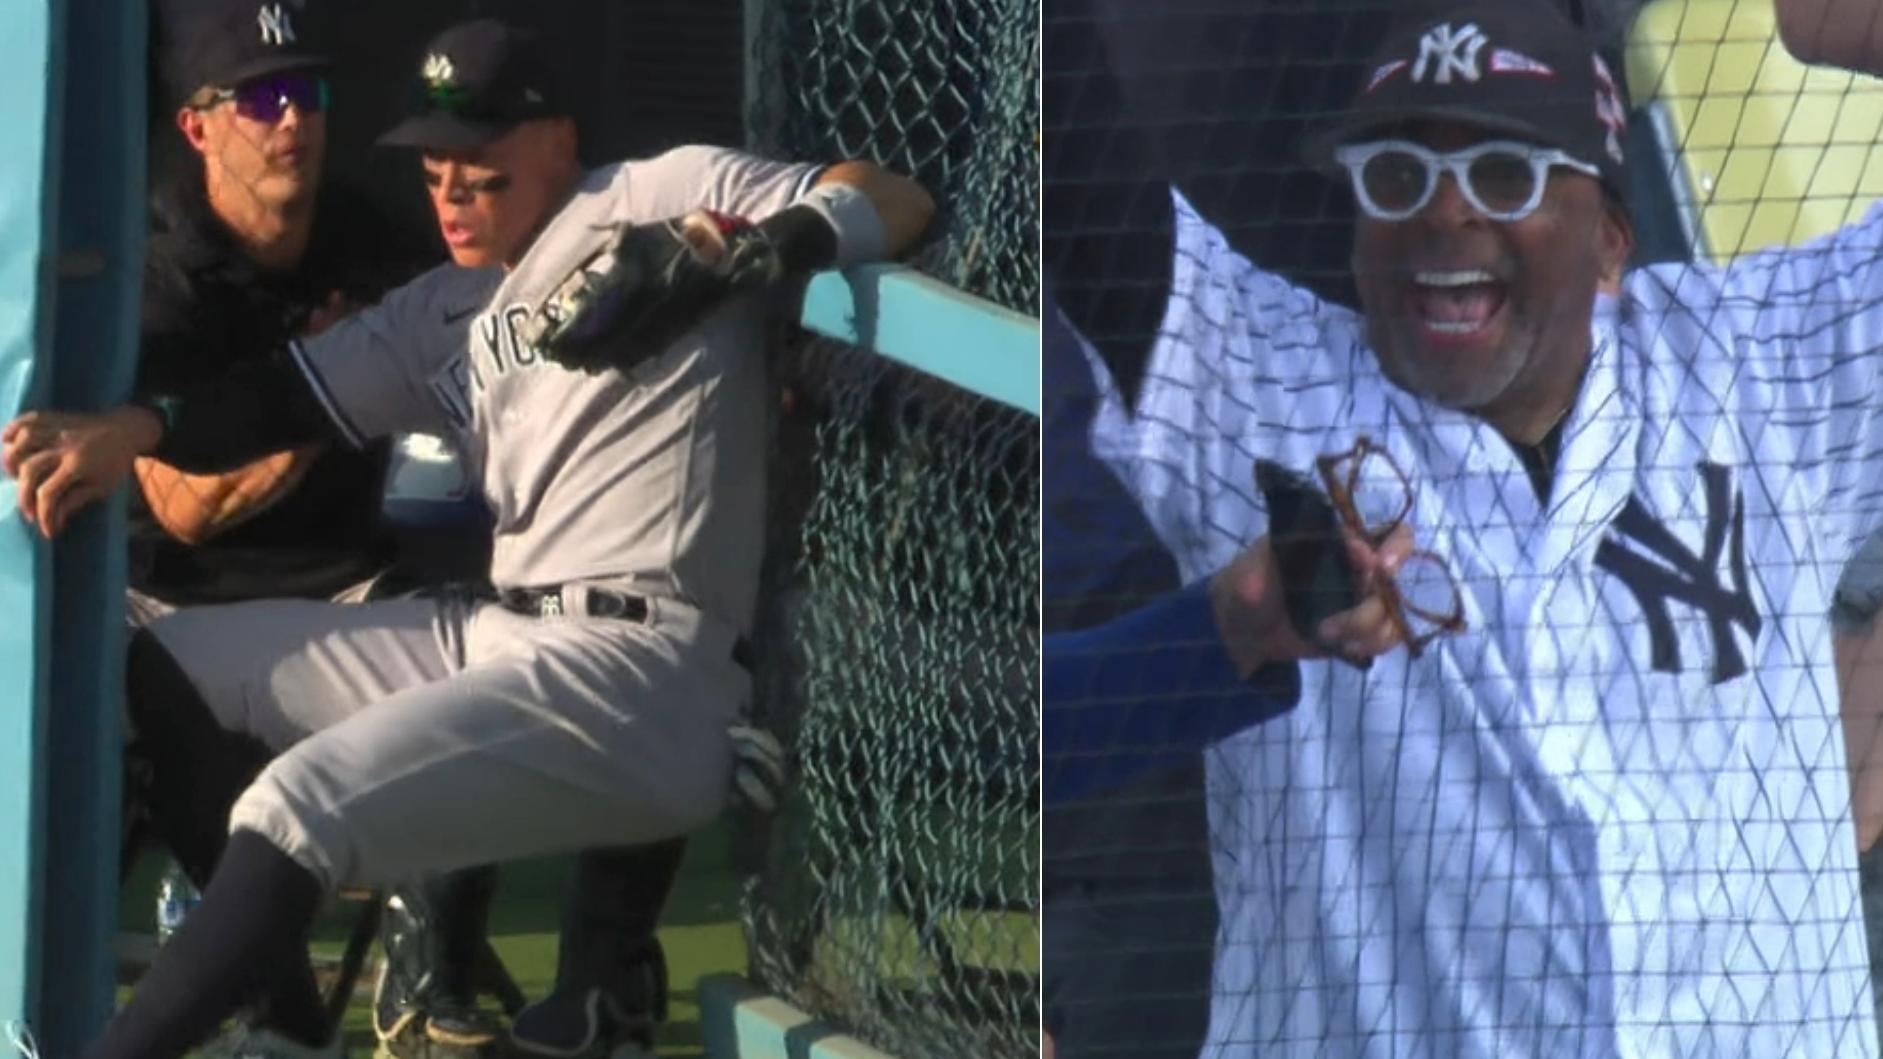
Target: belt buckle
(549, 604)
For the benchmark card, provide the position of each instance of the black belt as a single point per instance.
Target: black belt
(547, 603)
(602, 603)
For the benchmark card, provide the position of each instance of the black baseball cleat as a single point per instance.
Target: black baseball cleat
(612, 1021)
(441, 1030)
(425, 1004)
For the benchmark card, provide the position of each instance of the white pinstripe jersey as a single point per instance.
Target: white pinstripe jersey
(655, 475)
(1612, 818)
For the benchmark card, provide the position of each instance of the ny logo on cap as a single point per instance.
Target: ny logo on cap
(276, 29)
(441, 81)
(1444, 51)
(438, 71)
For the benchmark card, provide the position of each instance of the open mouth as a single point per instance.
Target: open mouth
(1455, 304)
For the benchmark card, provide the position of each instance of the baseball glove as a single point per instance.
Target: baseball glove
(651, 284)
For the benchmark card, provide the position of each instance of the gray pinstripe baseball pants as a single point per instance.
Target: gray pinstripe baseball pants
(422, 735)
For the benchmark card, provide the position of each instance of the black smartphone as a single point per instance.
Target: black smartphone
(1317, 580)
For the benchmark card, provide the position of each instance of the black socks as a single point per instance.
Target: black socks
(246, 940)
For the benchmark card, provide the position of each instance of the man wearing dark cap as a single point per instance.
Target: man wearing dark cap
(238, 264)
(589, 700)
(249, 248)
(1599, 804)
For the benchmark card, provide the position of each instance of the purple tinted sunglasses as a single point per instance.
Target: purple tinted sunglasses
(266, 99)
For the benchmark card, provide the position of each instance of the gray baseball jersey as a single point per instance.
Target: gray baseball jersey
(421, 735)
(656, 475)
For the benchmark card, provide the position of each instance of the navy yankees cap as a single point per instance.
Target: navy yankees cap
(477, 81)
(221, 43)
(1516, 67)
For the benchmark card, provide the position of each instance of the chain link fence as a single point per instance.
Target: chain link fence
(896, 891)
(946, 91)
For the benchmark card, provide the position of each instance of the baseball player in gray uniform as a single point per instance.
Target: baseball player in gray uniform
(588, 702)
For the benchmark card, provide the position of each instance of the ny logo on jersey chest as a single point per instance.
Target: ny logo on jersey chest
(1661, 573)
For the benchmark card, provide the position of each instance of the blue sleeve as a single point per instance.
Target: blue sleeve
(1144, 691)
(1099, 556)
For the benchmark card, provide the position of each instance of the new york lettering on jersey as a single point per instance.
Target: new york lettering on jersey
(569, 511)
(497, 345)
(1617, 803)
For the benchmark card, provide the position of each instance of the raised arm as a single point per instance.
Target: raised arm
(713, 224)
(902, 205)
(1809, 317)
(1845, 33)
(817, 215)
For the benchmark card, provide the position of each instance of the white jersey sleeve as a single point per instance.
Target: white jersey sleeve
(1812, 322)
(398, 366)
(717, 178)
(1244, 364)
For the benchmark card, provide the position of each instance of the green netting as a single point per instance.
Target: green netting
(944, 90)
(897, 890)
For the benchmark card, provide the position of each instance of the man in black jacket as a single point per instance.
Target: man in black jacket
(249, 247)
(236, 261)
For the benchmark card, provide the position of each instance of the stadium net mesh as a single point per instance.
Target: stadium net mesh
(1614, 813)
(896, 890)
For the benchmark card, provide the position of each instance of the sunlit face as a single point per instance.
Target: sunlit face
(266, 137)
(1470, 312)
(491, 199)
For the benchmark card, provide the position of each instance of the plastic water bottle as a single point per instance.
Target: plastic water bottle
(176, 895)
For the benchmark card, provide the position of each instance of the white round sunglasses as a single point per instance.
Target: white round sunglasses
(1502, 179)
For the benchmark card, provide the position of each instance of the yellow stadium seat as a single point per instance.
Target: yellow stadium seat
(1761, 150)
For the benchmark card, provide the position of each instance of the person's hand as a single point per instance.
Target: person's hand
(66, 460)
(1253, 619)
